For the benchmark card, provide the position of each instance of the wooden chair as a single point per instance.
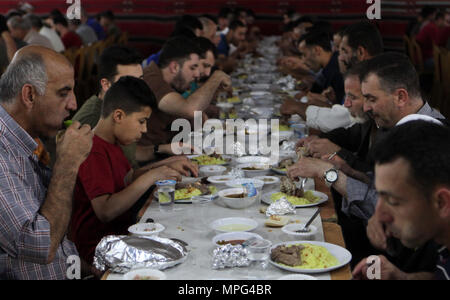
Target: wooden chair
(418, 58)
(123, 39)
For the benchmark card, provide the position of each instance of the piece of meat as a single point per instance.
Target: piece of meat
(290, 256)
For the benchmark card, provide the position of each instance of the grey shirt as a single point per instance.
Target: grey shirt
(361, 197)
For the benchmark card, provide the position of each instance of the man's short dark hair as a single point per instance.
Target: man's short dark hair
(129, 94)
(427, 11)
(425, 146)
(190, 22)
(36, 22)
(235, 24)
(60, 20)
(394, 70)
(317, 38)
(107, 14)
(117, 55)
(177, 49)
(204, 46)
(356, 70)
(366, 35)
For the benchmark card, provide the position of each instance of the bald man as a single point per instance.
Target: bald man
(36, 95)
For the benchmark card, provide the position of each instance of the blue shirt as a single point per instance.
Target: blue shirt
(330, 75)
(223, 47)
(99, 31)
(153, 57)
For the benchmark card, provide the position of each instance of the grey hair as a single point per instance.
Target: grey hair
(18, 22)
(29, 69)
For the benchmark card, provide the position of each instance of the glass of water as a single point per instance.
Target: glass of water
(259, 252)
(166, 194)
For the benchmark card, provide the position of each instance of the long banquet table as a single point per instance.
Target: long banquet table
(260, 89)
(191, 224)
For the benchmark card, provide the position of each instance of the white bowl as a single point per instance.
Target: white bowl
(263, 169)
(238, 182)
(269, 181)
(290, 229)
(236, 202)
(212, 170)
(252, 160)
(152, 273)
(230, 236)
(297, 277)
(220, 180)
(146, 229)
(233, 224)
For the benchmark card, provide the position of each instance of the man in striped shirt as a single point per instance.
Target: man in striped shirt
(36, 95)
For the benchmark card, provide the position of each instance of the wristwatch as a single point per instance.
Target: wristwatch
(330, 176)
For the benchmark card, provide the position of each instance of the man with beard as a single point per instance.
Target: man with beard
(360, 41)
(391, 90)
(178, 66)
(413, 183)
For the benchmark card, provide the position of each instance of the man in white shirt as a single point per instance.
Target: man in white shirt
(21, 29)
(361, 41)
(50, 34)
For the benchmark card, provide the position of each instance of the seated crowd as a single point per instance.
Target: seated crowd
(386, 148)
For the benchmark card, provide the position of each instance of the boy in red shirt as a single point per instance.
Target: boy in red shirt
(107, 187)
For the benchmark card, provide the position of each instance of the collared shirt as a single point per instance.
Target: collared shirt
(54, 38)
(326, 119)
(24, 232)
(330, 75)
(35, 38)
(362, 198)
(223, 47)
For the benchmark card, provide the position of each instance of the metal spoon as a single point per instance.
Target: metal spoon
(306, 228)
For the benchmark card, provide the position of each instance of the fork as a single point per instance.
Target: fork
(306, 227)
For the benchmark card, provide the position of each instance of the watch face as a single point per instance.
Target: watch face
(331, 176)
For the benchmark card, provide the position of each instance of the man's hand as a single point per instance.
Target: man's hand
(308, 167)
(75, 145)
(224, 80)
(320, 147)
(304, 142)
(185, 167)
(164, 173)
(291, 107)
(387, 270)
(376, 233)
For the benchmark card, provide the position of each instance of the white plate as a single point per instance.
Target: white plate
(259, 93)
(229, 236)
(271, 180)
(187, 200)
(297, 277)
(263, 170)
(279, 171)
(253, 160)
(139, 229)
(227, 158)
(189, 180)
(342, 255)
(238, 182)
(144, 272)
(323, 198)
(290, 229)
(220, 179)
(218, 224)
